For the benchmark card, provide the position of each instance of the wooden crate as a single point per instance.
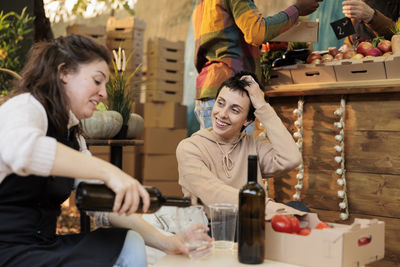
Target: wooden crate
(126, 24)
(165, 85)
(163, 96)
(97, 32)
(165, 48)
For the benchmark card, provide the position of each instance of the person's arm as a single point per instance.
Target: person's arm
(372, 18)
(282, 153)
(258, 29)
(174, 244)
(196, 177)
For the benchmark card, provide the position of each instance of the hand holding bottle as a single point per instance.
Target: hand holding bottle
(128, 192)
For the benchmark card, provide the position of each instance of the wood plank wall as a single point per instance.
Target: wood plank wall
(372, 160)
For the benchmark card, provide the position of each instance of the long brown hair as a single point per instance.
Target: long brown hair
(41, 73)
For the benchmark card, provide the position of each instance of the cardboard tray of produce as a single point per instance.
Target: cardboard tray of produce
(361, 69)
(392, 66)
(313, 73)
(340, 246)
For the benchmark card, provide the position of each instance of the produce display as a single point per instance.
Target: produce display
(291, 224)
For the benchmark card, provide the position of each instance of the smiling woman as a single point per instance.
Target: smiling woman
(212, 162)
(41, 149)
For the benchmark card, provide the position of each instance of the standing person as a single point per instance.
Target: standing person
(372, 18)
(40, 151)
(227, 38)
(212, 162)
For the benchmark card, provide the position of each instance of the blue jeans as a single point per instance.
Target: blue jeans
(203, 112)
(133, 252)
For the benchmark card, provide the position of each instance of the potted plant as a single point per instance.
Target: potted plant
(13, 30)
(121, 95)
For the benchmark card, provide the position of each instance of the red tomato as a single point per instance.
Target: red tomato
(281, 223)
(295, 224)
(364, 240)
(304, 231)
(322, 225)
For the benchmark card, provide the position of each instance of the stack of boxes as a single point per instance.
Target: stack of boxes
(128, 34)
(98, 32)
(164, 116)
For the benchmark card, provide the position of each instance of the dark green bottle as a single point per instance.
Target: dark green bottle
(251, 223)
(98, 197)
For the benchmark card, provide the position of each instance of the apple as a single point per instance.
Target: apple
(326, 58)
(349, 54)
(369, 57)
(316, 61)
(339, 56)
(313, 56)
(385, 46)
(363, 47)
(333, 51)
(387, 54)
(375, 52)
(357, 56)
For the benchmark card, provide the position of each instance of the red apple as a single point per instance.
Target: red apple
(375, 52)
(385, 46)
(313, 56)
(349, 54)
(333, 51)
(327, 58)
(357, 56)
(363, 47)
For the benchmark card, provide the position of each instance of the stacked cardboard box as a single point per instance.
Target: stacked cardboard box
(128, 34)
(98, 32)
(164, 70)
(164, 116)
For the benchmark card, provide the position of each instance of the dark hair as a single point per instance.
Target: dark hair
(41, 73)
(234, 83)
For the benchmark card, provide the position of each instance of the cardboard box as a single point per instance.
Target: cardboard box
(96, 32)
(166, 188)
(358, 70)
(162, 140)
(159, 95)
(392, 66)
(160, 168)
(165, 115)
(302, 31)
(280, 76)
(332, 247)
(311, 73)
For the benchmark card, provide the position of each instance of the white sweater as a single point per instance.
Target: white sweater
(24, 147)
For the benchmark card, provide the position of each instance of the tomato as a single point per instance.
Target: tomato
(322, 225)
(364, 240)
(281, 223)
(295, 224)
(275, 46)
(304, 231)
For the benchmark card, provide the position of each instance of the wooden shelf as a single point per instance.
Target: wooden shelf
(334, 88)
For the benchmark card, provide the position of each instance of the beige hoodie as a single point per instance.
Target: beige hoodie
(215, 171)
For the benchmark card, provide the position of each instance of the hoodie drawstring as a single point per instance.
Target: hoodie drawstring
(227, 162)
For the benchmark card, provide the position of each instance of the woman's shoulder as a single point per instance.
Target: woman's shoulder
(24, 100)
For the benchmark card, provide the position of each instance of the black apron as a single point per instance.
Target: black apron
(389, 8)
(29, 207)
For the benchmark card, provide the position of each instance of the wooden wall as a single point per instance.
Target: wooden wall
(372, 160)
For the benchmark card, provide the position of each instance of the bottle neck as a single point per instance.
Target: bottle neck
(175, 201)
(252, 170)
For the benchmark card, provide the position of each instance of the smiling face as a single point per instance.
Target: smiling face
(86, 87)
(229, 114)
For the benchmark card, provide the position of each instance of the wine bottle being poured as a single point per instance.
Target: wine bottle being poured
(98, 197)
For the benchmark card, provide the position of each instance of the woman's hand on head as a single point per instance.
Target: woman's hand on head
(255, 92)
(128, 192)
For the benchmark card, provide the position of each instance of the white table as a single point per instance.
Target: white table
(217, 258)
